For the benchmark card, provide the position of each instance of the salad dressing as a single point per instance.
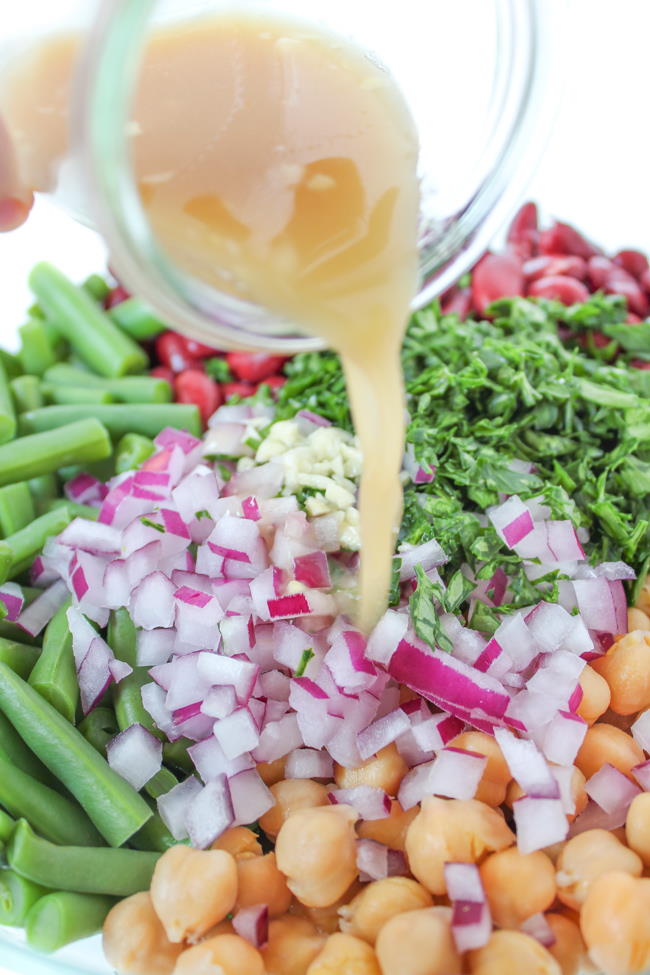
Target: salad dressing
(279, 163)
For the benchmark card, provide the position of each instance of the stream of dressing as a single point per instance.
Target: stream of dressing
(277, 162)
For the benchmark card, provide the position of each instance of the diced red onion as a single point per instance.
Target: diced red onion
(250, 797)
(641, 730)
(540, 822)
(173, 806)
(428, 555)
(218, 669)
(278, 739)
(152, 604)
(38, 614)
(527, 765)
(536, 926)
(602, 604)
(593, 817)
(154, 647)
(237, 539)
(210, 761)
(237, 733)
(612, 790)
(471, 923)
(136, 755)
(512, 521)
(642, 774)
(313, 570)
(308, 421)
(119, 669)
(91, 536)
(209, 813)
(12, 596)
(382, 733)
(549, 625)
(94, 674)
(455, 773)
(153, 701)
(347, 662)
(252, 924)
(387, 634)
(219, 702)
(169, 437)
(307, 763)
(516, 640)
(369, 802)
(85, 489)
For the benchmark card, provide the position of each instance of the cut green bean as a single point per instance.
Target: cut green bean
(97, 287)
(51, 814)
(91, 333)
(19, 656)
(36, 352)
(137, 320)
(74, 395)
(24, 545)
(62, 917)
(26, 392)
(98, 728)
(175, 754)
(77, 510)
(54, 676)
(154, 836)
(43, 489)
(9, 631)
(58, 343)
(115, 808)
(7, 411)
(78, 442)
(132, 451)
(118, 419)
(103, 470)
(11, 744)
(16, 507)
(17, 896)
(129, 389)
(7, 826)
(161, 783)
(123, 637)
(81, 869)
(11, 364)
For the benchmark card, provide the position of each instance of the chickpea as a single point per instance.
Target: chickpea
(327, 918)
(512, 953)
(452, 830)
(605, 743)
(614, 923)
(272, 772)
(316, 850)
(192, 890)
(384, 771)
(227, 954)
(260, 882)
(626, 668)
(637, 827)
(578, 793)
(344, 955)
(495, 779)
(134, 940)
(239, 841)
(643, 599)
(418, 943)
(378, 902)
(290, 795)
(569, 949)
(586, 857)
(390, 831)
(293, 944)
(595, 695)
(517, 885)
(637, 620)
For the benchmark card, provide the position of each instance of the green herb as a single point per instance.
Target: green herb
(422, 607)
(202, 514)
(304, 662)
(153, 524)
(218, 369)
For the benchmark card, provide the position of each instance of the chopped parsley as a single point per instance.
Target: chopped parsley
(304, 662)
(153, 524)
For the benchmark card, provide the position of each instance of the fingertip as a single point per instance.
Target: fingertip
(13, 213)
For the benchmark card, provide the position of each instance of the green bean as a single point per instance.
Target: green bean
(132, 451)
(6, 561)
(59, 345)
(17, 897)
(24, 545)
(19, 656)
(175, 754)
(118, 419)
(36, 351)
(62, 917)
(11, 744)
(81, 869)
(43, 489)
(7, 411)
(98, 728)
(55, 817)
(114, 807)
(77, 510)
(137, 320)
(90, 332)
(11, 632)
(44, 453)
(16, 507)
(129, 389)
(54, 676)
(127, 697)
(103, 470)
(26, 392)
(7, 826)
(154, 836)
(97, 287)
(161, 783)
(74, 395)
(122, 637)
(11, 364)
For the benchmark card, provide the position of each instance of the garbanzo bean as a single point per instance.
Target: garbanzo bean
(327, 918)
(626, 668)
(637, 619)
(316, 851)
(290, 795)
(260, 882)
(569, 949)
(134, 940)
(450, 830)
(418, 943)
(596, 695)
(384, 771)
(390, 831)
(227, 954)
(605, 743)
(614, 923)
(239, 841)
(378, 902)
(192, 890)
(588, 856)
(637, 827)
(495, 779)
(272, 772)
(344, 955)
(517, 885)
(512, 953)
(293, 944)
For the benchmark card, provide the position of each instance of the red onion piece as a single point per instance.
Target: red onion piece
(252, 924)
(471, 922)
(313, 570)
(136, 755)
(512, 520)
(38, 614)
(382, 733)
(209, 813)
(428, 555)
(539, 822)
(370, 803)
(12, 596)
(173, 806)
(307, 763)
(538, 927)
(91, 536)
(563, 737)
(237, 734)
(641, 730)
(527, 765)
(612, 790)
(152, 604)
(250, 797)
(642, 774)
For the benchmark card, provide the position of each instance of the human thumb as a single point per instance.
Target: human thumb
(15, 199)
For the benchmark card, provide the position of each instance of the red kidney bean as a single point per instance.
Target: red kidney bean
(237, 389)
(275, 382)
(116, 296)
(561, 238)
(162, 372)
(172, 352)
(600, 270)
(640, 363)
(624, 284)
(523, 233)
(496, 276)
(459, 303)
(550, 265)
(253, 367)
(632, 319)
(196, 350)
(559, 287)
(634, 262)
(644, 281)
(193, 386)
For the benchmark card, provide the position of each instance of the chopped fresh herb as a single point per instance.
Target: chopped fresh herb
(424, 614)
(304, 662)
(202, 514)
(218, 370)
(153, 524)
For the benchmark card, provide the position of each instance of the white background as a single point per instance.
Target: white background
(595, 171)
